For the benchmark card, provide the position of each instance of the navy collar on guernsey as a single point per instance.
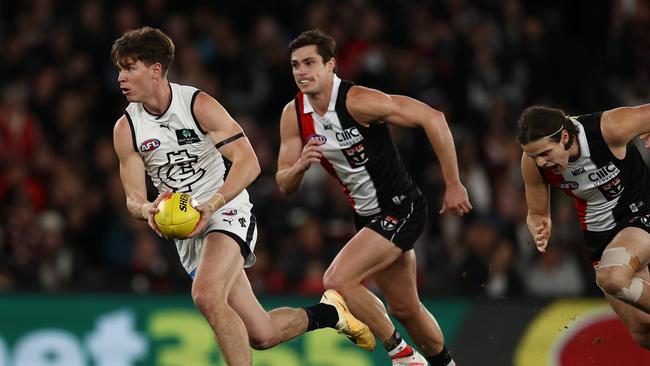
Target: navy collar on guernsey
(171, 99)
(308, 108)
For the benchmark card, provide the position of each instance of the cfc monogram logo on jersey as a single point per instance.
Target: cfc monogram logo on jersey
(178, 173)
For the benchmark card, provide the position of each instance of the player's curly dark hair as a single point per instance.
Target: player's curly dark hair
(538, 121)
(325, 44)
(146, 44)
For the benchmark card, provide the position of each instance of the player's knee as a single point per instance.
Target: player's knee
(333, 280)
(331, 283)
(262, 340)
(613, 280)
(207, 301)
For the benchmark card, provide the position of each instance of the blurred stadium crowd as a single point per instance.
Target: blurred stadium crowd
(64, 224)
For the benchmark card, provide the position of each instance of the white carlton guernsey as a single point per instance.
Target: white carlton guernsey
(179, 156)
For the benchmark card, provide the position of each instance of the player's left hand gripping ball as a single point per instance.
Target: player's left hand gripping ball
(176, 217)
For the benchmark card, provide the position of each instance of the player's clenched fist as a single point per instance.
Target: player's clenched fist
(542, 235)
(311, 153)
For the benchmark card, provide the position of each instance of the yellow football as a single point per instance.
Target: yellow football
(176, 217)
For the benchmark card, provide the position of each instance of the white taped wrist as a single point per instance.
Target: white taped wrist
(216, 202)
(145, 210)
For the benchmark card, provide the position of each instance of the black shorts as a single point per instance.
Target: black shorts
(401, 224)
(597, 240)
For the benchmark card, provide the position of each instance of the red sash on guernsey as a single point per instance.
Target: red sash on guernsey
(307, 131)
(580, 204)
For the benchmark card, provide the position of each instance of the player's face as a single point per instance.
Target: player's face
(549, 154)
(310, 73)
(135, 79)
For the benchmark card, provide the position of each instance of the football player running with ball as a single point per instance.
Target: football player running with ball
(187, 142)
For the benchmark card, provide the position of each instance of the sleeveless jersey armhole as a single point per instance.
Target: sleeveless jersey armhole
(341, 108)
(196, 121)
(297, 103)
(132, 128)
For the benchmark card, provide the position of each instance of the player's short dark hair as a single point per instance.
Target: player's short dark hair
(325, 44)
(538, 121)
(146, 44)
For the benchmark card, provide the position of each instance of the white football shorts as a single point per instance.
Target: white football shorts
(233, 219)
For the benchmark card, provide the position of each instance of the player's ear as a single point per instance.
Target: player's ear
(157, 69)
(568, 140)
(331, 64)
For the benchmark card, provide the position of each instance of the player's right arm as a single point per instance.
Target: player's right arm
(132, 175)
(538, 219)
(293, 159)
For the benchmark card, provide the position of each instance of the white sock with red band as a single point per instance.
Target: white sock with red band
(402, 350)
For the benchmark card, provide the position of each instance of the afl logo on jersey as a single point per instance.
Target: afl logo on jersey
(568, 185)
(150, 145)
(318, 138)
